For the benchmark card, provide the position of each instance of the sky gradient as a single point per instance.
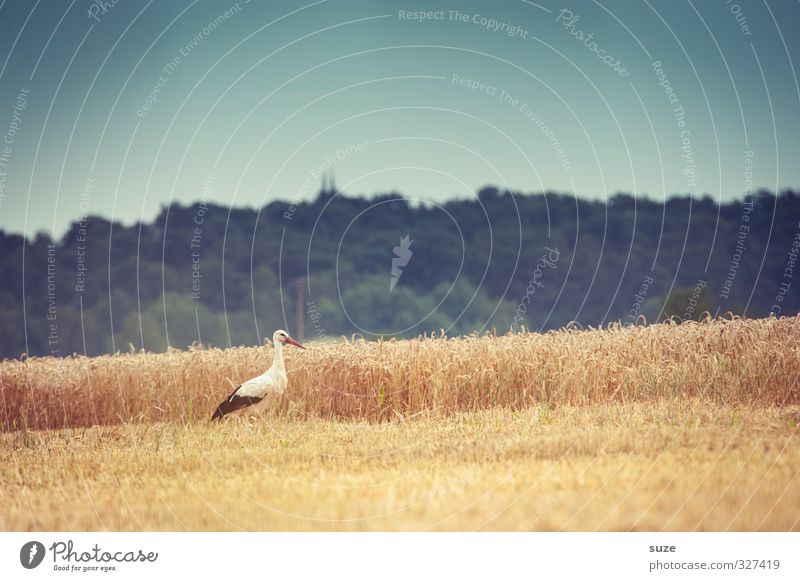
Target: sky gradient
(116, 109)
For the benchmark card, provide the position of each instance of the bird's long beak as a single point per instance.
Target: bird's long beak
(291, 341)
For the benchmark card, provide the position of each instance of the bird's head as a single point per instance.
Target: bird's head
(283, 337)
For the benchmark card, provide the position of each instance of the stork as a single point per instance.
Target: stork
(256, 393)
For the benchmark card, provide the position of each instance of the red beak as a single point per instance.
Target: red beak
(291, 341)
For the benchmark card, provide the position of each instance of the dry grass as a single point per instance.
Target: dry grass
(669, 466)
(727, 362)
(658, 428)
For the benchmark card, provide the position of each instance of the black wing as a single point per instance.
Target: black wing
(232, 403)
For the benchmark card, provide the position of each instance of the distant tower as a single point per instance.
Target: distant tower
(328, 186)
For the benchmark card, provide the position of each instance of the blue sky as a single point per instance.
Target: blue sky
(243, 103)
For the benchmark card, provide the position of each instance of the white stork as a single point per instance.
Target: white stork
(256, 393)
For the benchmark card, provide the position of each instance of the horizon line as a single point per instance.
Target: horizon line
(502, 192)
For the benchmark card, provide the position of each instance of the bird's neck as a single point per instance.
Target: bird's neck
(277, 362)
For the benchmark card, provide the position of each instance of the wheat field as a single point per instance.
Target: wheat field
(664, 427)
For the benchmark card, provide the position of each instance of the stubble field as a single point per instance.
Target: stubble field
(640, 428)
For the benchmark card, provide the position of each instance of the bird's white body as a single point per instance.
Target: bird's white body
(272, 381)
(269, 385)
(259, 393)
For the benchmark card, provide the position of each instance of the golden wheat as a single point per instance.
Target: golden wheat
(726, 361)
(667, 427)
(654, 466)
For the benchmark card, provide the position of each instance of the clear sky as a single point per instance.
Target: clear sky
(118, 108)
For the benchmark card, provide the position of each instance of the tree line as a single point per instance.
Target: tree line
(382, 266)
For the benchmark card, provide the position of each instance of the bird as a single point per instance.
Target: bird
(255, 393)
